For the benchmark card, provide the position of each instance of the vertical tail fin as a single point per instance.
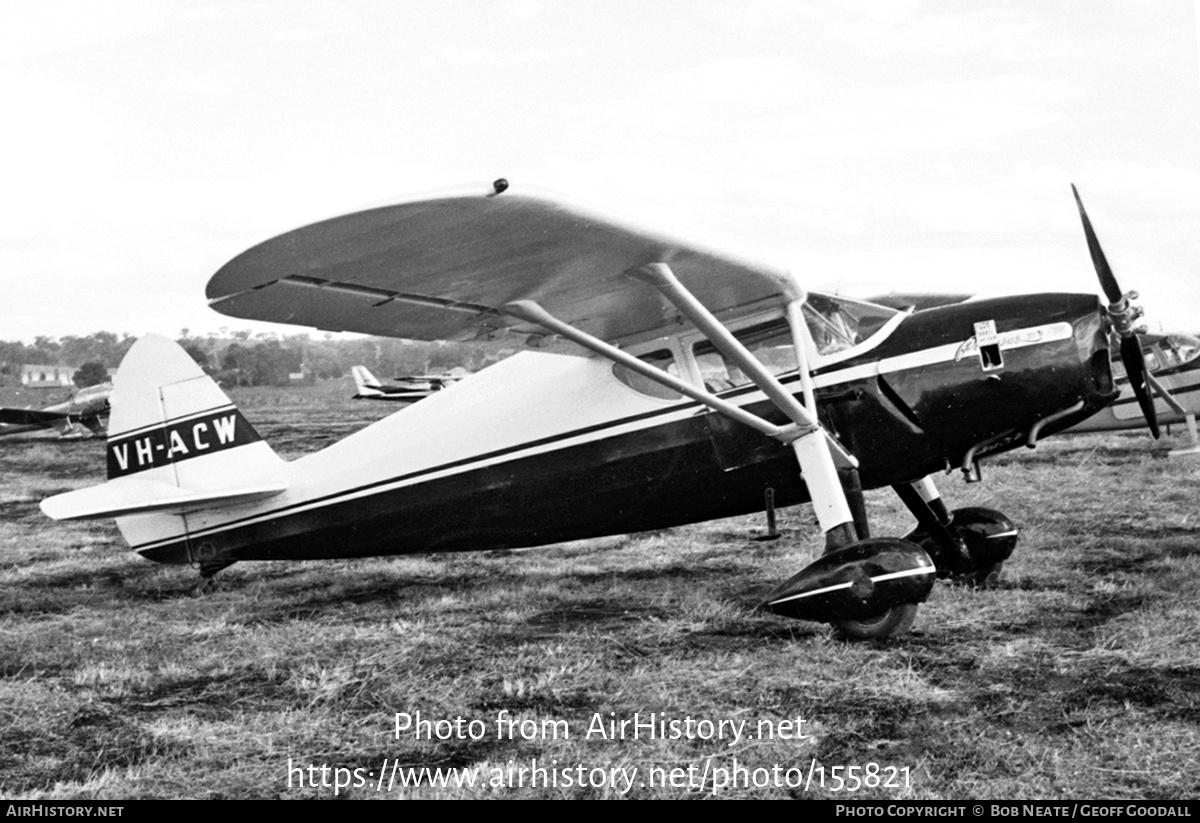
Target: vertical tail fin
(176, 443)
(365, 382)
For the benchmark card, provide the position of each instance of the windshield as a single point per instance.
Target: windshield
(1181, 348)
(839, 323)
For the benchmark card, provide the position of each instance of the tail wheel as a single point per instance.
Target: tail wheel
(895, 621)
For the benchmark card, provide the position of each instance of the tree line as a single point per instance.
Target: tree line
(239, 358)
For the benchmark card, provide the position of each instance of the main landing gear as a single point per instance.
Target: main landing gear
(870, 589)
(969, 545)
(989, 537)
(867, 588)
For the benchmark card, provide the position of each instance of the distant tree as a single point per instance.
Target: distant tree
(102, 346)
(240, 358)
(91, 373)
(196, 351)
(231, 365)
(323, 366)
(264, 364)
(44, 351)
(270, 363)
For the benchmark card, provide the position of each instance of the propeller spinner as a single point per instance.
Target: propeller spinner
(1122, 313)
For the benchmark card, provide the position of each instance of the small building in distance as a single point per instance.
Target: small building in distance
(37, 377)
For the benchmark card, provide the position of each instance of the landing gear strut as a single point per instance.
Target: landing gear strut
(968, 545)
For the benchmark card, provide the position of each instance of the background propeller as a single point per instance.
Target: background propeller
(1122, 314)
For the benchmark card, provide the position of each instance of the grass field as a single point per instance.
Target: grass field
(1077, 678)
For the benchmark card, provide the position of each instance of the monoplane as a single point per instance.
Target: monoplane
(85, 414)
(407, 389)
(661, 383)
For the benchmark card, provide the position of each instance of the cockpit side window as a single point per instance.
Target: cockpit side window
(770, 343)
(661, 359)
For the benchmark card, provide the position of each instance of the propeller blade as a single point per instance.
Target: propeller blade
(1122, 315)
(1108, 281)
(1135, 369)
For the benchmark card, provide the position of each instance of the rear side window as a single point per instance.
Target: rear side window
(770, 343)
(661, 359)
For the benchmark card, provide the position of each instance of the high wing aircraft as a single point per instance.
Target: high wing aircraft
(84, 415)
(661, 384)
(408, 389)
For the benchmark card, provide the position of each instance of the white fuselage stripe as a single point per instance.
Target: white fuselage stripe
(1018, 338)
(876, 579)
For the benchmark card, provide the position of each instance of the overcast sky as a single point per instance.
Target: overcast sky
(875, 146)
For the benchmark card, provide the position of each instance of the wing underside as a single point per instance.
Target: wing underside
(31, 417)
(440, 268)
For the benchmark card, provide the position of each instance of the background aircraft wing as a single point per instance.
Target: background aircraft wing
(31, 417)
(438, 268)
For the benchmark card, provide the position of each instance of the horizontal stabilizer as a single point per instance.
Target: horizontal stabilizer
(127, 495)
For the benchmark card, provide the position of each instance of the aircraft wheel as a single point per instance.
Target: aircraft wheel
(895, 621)
(990, 537)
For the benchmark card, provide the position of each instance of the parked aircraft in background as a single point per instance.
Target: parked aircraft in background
(1173, 368)
(84, 415)
(408, 389)
(663, 384)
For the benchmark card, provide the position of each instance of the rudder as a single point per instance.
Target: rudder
(166, 413)
(365, 382)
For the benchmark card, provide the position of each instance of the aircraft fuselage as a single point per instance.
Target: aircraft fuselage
(1174, 360)
(545, 448)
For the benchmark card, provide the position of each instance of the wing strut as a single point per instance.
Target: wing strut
(530, 311)
(813, 446)
(1188, 417)
(662, 278)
